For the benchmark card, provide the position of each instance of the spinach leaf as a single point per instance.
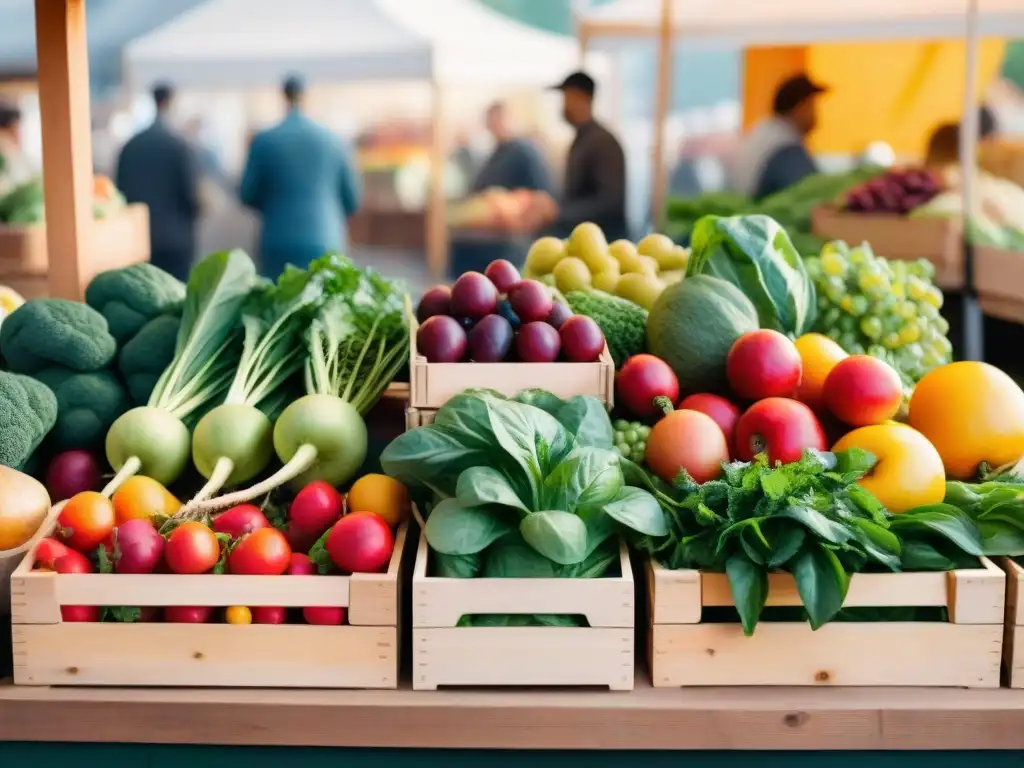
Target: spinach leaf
(456, 566)
(595, 565)
(821, 526)
(943, 520)
(534, 440)
(639, 511)
(540, 398)
(755, 254)
(600, 527)
(480, 486)
(453, 529)
(587, 420)
(821, 581)
(587, 477)
(429, 457)
(512, 558)
(559, 536)
(748, 583)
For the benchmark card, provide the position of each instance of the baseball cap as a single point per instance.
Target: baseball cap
(578, 81)
(794, 92)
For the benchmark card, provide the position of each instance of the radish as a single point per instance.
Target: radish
(71, 472)
(240, 520)
(153, 438)
(353, 353)
(315, 508)
(138, 547)
(301, 565)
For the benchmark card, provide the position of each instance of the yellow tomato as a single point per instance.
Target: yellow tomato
(909, 471)
(972, 413)
(818, 356)
(143, 497)
(238, 614)
(384, 496)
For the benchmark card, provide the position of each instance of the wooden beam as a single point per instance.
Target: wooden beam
(663, 96)
(63, 65)
(437, 223)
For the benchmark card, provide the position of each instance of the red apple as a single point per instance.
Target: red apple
(641, 380)
(780, 427)
(724, 413)
(863, 390)
(763, 364)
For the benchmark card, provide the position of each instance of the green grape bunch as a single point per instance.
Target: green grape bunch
(631, 439)
(885, 308)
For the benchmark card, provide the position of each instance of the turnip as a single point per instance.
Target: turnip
(153, 438)
(138, 547)
(72, 471)
(355, 346)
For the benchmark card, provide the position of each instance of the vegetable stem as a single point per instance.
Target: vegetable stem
(129, 468)
(221, 472)
(299, 463)
(664, 404)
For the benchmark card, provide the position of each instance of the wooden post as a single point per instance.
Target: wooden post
(63, 65)
(437, 225)
(659, 175)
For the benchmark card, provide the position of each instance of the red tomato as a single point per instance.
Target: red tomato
(191, 548)
(269, 614)
(360, 543)
(86, 521)
(48, 551)
(324, 615)
(300, 541)
(264, 552)
(188, 614)
(72, 562)
(301, 565)
(316, 507)
(643, 378)
(78, 613)
(240, 520)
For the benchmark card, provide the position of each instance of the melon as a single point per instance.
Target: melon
(692, 326)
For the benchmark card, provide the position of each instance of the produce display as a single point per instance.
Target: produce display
(997, 215)
(496, 316)
(637, 272)
(496, 208)
(10, 300)
(897, 191)
(24, 204)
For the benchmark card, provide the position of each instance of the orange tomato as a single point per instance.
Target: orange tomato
(972, 413)
(143, 497)
(818, 356)
(86, 521)
(688, 440)
(238, 614)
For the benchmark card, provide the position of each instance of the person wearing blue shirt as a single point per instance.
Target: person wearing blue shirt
(301, 180)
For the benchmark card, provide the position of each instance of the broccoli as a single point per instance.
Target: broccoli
(46, 332)
(131, 296)
(147, 354)
(87, 404)
(623, 323)
(28, 411)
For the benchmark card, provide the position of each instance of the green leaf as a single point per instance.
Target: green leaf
(879, 543)
(559, 536)
(776, 485)
(479, 486)
(748, 583)
(532, 438)
(587, 477)
(821, 581)
(541, 398)
(945, 520)
(595, 565)
(1001, 538)
(600, 527)
(855, 461)
(587, 419)
(430, 457)
(924, 556)
(639, 511)
(103, 561)
(818, 524)
(512, 558)
(785, 544)
(456, 566)
(453, 529)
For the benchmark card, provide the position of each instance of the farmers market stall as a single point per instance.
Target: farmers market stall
(208, 444)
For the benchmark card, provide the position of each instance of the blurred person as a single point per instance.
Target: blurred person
(158, 167)
(515, 163)
(209, 164)
(944, 142)
(464, 158)
(594, 187)
(774, 156)
(15, 168)
(303, 183)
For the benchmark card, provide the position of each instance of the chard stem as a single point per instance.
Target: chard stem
(221, 472)
(129, 468)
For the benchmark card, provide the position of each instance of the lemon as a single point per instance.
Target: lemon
(606, 280)
(571, 274)
(543, 255)
(641, 289)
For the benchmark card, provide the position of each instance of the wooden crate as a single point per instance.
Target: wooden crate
(119, 240)
(963, 652)
(1013, 630)
(434, 384)
(899, 237)
(415, 417)
(999, 274)
(361, 654)
(448, 655)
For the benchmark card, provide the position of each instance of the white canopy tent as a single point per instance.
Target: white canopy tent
(250, 43)
(706, 23)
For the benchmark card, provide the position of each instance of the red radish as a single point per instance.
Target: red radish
(261, 553)
(503, 274)
(316, 507)
(441, 339)
(724, 413)
(582, 340)
(301, 565)
(188, 614)
(780, 427)
(269, 614)
(538, 342)
(324, 615)
(240, 520)
(72, 472)
(192, 548)
(641, 380)
(473, 296)
(300, 541)
(436, 301)
(360, 543)
(79, 613)
(72, 562)
(138, 547)
(48, 550)
(531, 301)
(762, 364)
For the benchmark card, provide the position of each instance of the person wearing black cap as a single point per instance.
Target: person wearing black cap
(158, 167)
(595, 174)
(302, 182)
(773, 156)
(15, 168)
